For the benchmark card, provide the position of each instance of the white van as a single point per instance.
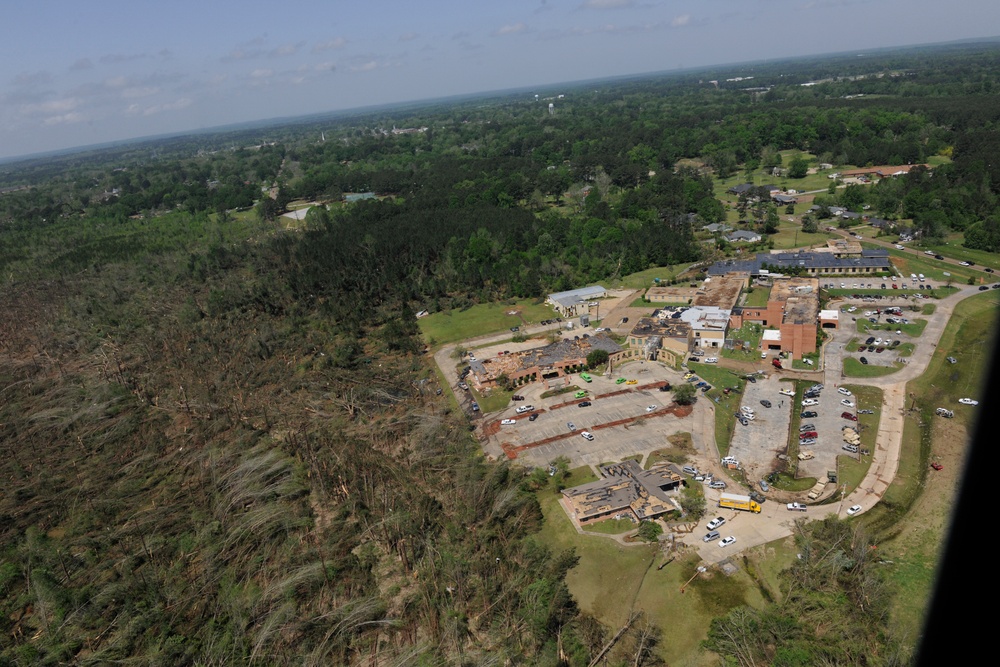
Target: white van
(524, 408)
(921, 276)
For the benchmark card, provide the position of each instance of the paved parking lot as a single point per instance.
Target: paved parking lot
(757, 445)
(641, 433)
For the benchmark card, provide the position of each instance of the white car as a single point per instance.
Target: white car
(524, 408)
(899, 247)
(650, 408)
(712, 360)
(847, 404)
(854, 510)
(507, 422)
(809, 402)
(786, 392)
(968, 401)
(966, 264)
(587, 435)
(726, 541)
(845, 392)
(715, 523)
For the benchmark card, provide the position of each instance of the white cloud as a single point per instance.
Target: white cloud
(325, 67)
(608, 4)
(261, 73)
(144, 91)
(511, 29)
(681, 20)
(32, 78)
(286, 49)
(365, 67)
(71, 117)
(331, 45)
(52, 106)
(176, 105)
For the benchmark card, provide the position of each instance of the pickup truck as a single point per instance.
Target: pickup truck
(796, 507)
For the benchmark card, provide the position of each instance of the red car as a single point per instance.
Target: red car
(937, 466)
(848, 415)
(808, 434)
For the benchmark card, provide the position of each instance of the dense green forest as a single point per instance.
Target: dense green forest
(222, 442)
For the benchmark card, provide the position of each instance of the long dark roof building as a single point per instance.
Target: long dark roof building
(873, 260)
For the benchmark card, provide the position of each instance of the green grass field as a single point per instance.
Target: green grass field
(790, 235)
(855, 369)
(953, 249)
(915, 328)
(908, 263)
(757, 297)
(451, 326)
(750, 332)
(645, 278)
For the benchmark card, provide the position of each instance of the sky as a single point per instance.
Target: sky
(78, 73)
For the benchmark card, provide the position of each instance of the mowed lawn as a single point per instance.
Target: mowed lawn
(450, 326)
(610, 576)
(647, 278)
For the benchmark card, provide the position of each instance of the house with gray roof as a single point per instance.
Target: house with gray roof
(744, 236)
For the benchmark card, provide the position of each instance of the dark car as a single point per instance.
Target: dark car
(983, 288)
(988, 270)
(583, 404)
(871, 339)
(766, 403)
(751, 379)
(809, 414)
(517, 397)
(938, 257)
(871, 348)
(665, 387)
(862, 348)
(864, 361)
(693, 360)
(848, 415)
(624, 320)
(515, 329)
(879, 350)
(533, 416)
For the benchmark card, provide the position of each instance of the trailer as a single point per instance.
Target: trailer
(733, 501)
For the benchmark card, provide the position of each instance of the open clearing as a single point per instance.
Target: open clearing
(451, 326)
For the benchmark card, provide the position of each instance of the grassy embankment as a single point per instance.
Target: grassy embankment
(914, 515)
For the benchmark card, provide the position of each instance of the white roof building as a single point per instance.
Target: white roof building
(567, 303)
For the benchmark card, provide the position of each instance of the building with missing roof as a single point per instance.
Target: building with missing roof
(626, 489)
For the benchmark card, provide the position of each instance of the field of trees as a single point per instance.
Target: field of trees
(221, 438)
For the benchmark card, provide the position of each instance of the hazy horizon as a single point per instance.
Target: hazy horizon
(134, 71)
